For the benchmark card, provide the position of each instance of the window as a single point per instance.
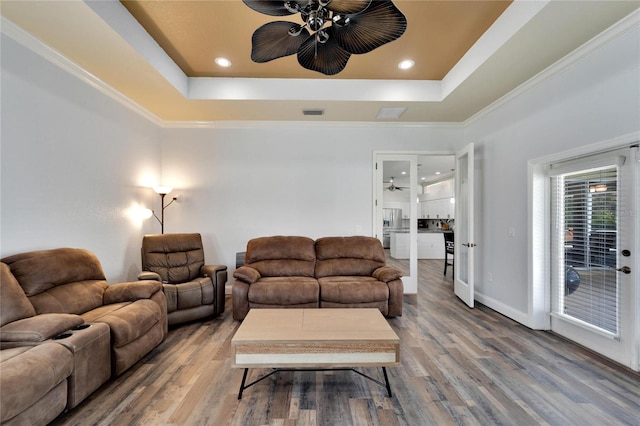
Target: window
(584, 241)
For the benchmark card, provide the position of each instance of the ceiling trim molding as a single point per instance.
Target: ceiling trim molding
(629, 23)
(125, 25)
(41, 49)
(228, 88)
(302, 124)
(512, 20)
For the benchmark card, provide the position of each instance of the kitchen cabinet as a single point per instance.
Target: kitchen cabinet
(430, 245)
(436, 203)
(437, 209)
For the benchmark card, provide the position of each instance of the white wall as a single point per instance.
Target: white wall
(595, 99)
(73, 163)
(315, 180)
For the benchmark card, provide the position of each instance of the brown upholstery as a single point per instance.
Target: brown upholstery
(294, 272)
(281, 256)
(33, 383)
(193, 290)
(71, 281)
(14, 304)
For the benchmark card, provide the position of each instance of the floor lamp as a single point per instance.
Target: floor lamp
(163, 191)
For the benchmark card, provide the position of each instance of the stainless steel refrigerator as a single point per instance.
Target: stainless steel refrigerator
(391, 221)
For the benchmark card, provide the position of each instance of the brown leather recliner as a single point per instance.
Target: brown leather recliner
(331, 272)
(193, 290)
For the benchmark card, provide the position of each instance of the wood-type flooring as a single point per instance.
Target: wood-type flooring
(458, 366)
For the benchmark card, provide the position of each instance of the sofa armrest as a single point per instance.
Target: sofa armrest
(212, 271)
(38, 328)
(246, 274)
(131, 291)
(386, 274)
(149, 276)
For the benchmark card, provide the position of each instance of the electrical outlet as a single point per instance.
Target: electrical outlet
(512, 231)
(489, 277)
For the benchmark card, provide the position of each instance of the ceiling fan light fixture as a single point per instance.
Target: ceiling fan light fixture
(292, 6)
(322, 36)
(295, 30)
(341, 20)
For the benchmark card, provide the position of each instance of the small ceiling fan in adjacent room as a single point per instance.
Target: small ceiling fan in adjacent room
(392, 187)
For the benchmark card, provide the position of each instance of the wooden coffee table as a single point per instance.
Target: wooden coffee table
(315, 339)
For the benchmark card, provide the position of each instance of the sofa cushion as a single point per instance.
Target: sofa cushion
(284, 291)
(39, 328)
(30, 373)
(189, 295)
(128, 321)
(14, 304)
(353, 290)
(74, 298)
(348, 256)
(62, 280)
(41, 270)
(282, 256)
(177, 258)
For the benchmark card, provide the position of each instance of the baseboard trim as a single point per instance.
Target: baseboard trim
(506, 310)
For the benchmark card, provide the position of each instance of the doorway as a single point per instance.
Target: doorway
(406, 219)
(592, 246)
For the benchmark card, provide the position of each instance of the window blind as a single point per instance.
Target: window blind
(584, 245)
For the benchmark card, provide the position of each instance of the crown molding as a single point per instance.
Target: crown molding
(303, 124)
(38, 47)
(625, 25)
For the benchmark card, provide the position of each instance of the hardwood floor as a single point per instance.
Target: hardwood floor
(458, 366)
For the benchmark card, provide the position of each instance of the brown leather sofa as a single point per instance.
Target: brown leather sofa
(331, 272)
(57, 302)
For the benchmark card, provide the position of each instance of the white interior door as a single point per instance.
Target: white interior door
(401, 192)
(464, 236)
(594, 290)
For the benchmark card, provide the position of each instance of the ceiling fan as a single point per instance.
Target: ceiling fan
(332, 30)
(393, 187)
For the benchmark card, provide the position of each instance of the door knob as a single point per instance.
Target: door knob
(624, 269)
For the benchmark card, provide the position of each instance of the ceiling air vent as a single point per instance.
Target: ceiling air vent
(313, 112)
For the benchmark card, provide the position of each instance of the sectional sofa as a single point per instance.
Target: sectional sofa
(64, 331)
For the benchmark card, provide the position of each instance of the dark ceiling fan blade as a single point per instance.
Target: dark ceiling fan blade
(348, 6)
(273, 7)
(378, 24)
(328, 58)
(272, 41)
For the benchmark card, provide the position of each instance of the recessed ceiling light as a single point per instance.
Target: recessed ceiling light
(406, 64)
(223, 62)
(437, 173)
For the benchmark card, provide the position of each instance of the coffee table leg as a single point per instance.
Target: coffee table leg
(386, 380)
(244, 379)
